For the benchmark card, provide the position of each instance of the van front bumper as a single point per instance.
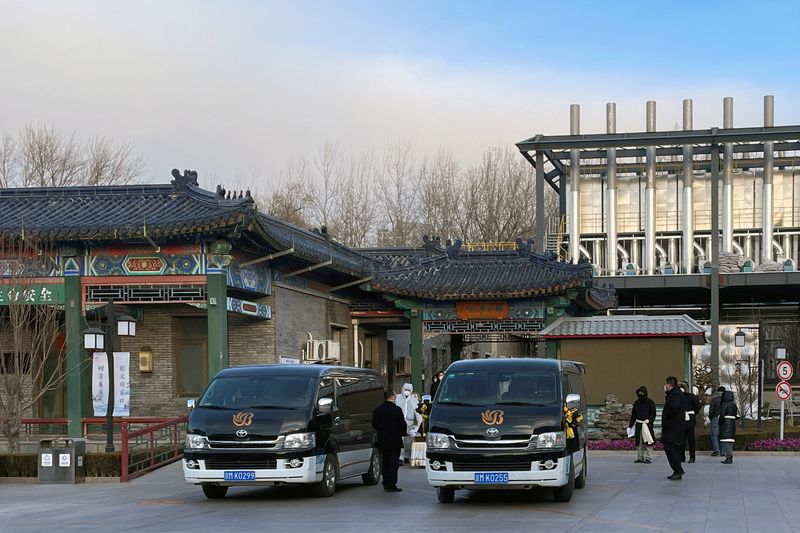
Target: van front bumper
(536, 476)
(309, 472)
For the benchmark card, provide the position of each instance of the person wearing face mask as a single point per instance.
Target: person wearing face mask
(643, 414)
(408, 403)
(727, 426)
(673, 426)
(691, 406)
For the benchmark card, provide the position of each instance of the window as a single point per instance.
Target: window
(358, 396)
(12, 360)
(498, 387)
(267, 392)
(191, 362)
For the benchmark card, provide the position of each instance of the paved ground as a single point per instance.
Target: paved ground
(756, 494)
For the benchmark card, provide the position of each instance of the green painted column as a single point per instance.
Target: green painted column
(77, 360)
(416, 349)
(217, 323)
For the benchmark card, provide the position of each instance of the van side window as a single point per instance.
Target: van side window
(358, 396)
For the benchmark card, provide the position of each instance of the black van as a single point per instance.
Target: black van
(501, 424)
(277, 424)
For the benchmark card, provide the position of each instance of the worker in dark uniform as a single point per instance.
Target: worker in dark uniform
(691, 404)
(390, 424)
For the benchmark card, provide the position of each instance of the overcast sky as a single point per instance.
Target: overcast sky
(229, 88)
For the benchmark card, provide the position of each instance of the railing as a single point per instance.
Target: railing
(44, 426)
(96, 425)
(146, 449)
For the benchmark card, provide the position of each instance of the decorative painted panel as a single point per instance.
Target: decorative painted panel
(249, 308)
(142, 261)
(254, 278)
(146, 293)
(524, 309)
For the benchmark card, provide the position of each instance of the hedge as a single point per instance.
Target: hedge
(24, 465)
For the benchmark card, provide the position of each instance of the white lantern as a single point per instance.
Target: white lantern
(126, 326)
(94, 339)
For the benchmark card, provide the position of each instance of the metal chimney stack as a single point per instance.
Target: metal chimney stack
(650, 195)
(611, 194)
(574, 227)
(688, 199)
(767, 198)
(727, 178)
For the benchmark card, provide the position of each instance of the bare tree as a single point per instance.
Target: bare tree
(8, 160)
(293, 199)
(31, 362)
(111, 163)
(327, 183)
(399, 192)
(441, 197)
(354, 210)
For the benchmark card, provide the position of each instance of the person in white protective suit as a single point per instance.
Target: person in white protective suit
(409, 402)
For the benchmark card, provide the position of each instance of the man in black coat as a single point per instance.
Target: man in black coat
(390, 424)
(643, 414)
(691, 404)
(673, 426)
(727, 426)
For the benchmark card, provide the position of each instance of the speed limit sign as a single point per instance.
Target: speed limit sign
(785, 370)
(783, 390)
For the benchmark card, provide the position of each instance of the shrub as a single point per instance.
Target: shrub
(776, 445)
(617, 444)
(25, 465)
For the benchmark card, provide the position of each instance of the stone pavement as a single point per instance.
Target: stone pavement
(755, 494)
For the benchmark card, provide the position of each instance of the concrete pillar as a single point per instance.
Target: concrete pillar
(217, 323)
(416, 349)
(77, 360)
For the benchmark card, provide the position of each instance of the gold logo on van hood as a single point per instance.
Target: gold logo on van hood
(492, 418)
(242, 419)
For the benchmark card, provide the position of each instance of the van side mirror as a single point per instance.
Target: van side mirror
(325, 405)
(190, 405)
(573, 401)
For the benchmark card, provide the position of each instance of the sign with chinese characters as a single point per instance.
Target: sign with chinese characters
(25, 293)
(488, 310)
(122, 383)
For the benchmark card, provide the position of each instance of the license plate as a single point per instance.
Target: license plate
(239, 475)
(491, 478)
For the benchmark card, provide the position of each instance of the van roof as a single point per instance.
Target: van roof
(294, 370)
(517, 363)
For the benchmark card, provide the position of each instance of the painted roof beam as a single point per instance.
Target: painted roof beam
(307, 269)
(267, 257)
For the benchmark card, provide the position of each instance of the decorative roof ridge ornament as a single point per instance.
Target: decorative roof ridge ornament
(454, 250)
(189, 177)
(432, 245)
(524, 248)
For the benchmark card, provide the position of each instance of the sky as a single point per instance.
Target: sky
(238, 88)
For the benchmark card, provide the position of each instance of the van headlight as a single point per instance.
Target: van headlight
(196, 442)
(555, 439)
(438, 441)
(295, 441)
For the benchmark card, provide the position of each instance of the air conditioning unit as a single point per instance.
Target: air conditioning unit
(315, 350)
(333, 349)
(403, 365)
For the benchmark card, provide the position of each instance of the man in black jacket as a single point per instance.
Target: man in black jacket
(643, 414)
(727, 426)
(673, 426)
(713, 417)
(390, 424)
(691, 404)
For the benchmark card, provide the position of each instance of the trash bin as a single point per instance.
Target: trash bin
(62, 461)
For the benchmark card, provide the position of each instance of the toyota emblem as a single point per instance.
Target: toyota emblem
(492, 433)
(241, 433)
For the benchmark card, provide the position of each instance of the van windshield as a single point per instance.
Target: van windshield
(266, 392)
(499, 387)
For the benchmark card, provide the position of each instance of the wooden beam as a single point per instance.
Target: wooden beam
(307, 269)
(267, 257)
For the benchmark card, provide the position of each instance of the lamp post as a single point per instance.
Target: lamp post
(94, 339)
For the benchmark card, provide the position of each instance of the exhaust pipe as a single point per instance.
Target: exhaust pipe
(650, 195)
(688, 200)
(611, 193)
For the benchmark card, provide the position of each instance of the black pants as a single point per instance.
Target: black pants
(390, 459)
(673, 452)
(689, 443)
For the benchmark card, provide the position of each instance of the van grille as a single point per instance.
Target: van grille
(241, 464)
(506, 466)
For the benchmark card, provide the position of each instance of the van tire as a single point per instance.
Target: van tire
(563, 494)
(445, 494)
(330, 475)
(580, 481)
(214, 492)
(373, 475)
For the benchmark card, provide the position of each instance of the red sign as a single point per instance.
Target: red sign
(785, 370)
(481, 310)
(783, 390)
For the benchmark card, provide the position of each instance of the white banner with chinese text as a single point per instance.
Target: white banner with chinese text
(122, 383)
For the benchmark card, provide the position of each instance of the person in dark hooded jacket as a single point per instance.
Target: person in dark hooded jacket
(673, 426)
(727, 426)
(691, 405)
(643, 415)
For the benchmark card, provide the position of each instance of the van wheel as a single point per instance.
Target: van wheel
(373, 475)
(446, 494)
(330, 475)
(564, 494)
(580, 481)
(214, 492)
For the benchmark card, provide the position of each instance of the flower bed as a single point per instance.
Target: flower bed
(617, 445)
(775, 445)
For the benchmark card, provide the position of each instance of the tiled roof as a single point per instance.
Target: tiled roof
(478, 275)
(624, 326)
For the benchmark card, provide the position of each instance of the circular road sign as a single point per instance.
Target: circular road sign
(783, 390)
(785, 370)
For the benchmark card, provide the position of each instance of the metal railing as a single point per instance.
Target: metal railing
(148, 448)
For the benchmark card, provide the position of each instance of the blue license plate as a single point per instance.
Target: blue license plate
(239, 475)
(491, 478)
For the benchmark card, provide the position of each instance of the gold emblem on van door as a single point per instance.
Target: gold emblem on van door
(492, 418)
(242, 419)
